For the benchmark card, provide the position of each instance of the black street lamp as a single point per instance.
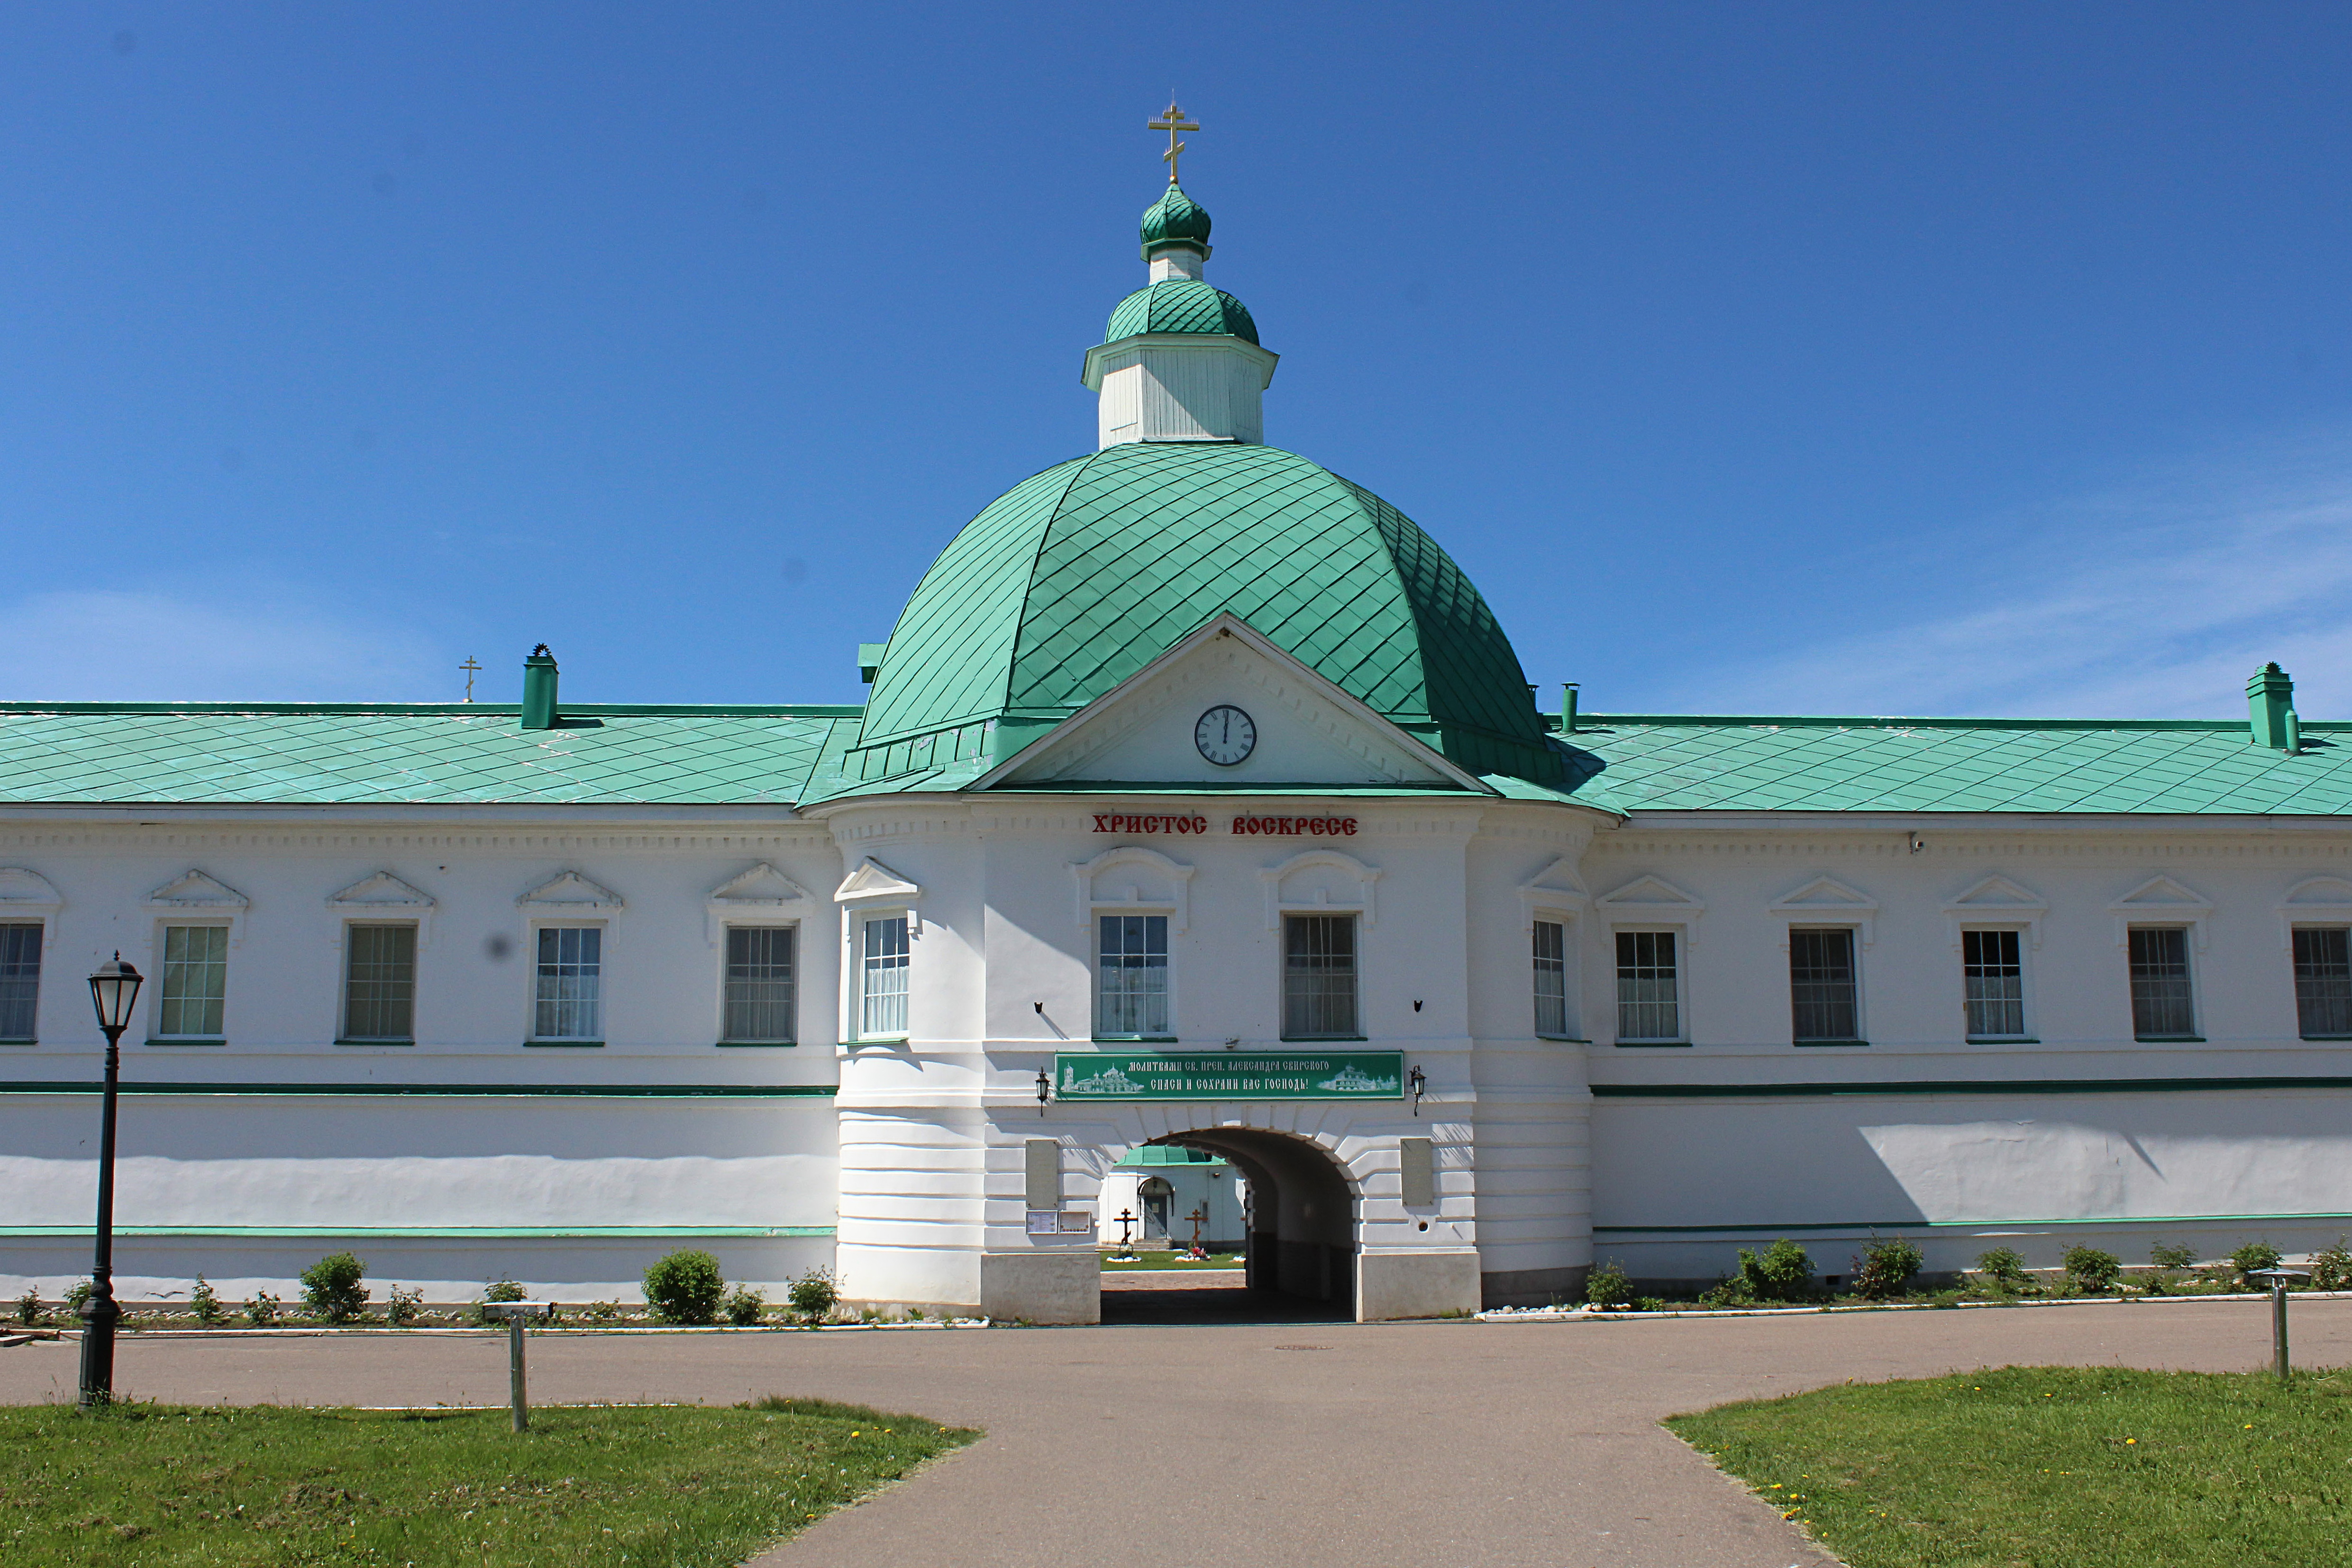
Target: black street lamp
(112, 991)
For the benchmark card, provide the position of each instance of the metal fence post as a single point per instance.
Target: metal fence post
(516, 1314)
(2278, 1279)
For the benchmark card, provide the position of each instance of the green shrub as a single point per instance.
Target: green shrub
(2090, 1271)
(815, 1294)
(686, 1288)
(1886, 1268)
(1784, 1272)
(1606, 1286)
(745, 1307)
(2254, 1255)
(2004, 1271)
(1649, 1304)
(30, 1308)
(331, 1288)
(1730, 1293)
(204, 1304)
(261, 1309)
(2165, 1255)
(403, 1306)
(82, 1290)
(2331, 1266)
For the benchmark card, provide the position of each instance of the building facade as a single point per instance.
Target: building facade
(1199, 804)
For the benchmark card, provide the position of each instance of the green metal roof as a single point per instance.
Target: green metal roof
(1080, 576)
(1179, 305)
(1166, 1154)
(320, 753)
(1659, 763)
(1174, 218)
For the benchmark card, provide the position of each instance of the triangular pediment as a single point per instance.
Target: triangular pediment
(1825, 894)
(382, 891)
(1997, 895)
(24, 889)
(2159, 893)
(873, 879)
(1555, 885)
(570, 892)
(1649, 895)
(763, 886)
(1302, 729)
(194, 890)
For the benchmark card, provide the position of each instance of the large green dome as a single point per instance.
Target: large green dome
(1179, 305)
(1078, 577)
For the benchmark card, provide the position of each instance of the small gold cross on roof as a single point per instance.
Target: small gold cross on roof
(1171, 122)
(471, 669)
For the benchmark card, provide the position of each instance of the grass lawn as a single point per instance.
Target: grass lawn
(150, 1486)
(2054, 1467)
(1175, 1261)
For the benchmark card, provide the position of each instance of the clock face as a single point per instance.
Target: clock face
(1225, 736)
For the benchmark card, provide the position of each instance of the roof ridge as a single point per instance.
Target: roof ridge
(435, 710)
(1590, 719)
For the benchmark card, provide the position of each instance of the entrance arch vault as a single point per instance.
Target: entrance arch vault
(1302, 1212)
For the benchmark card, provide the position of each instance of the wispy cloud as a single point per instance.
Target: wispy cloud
(246, 642)
(2155, 600)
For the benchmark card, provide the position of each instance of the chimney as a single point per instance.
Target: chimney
(539, 689)
(2270, 697)
(869, 660)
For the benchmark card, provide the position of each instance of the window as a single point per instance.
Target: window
(882, 977)
(2323, 982)
(20, 980)
(1131, 990)
(1994, 982)
(1551, 979)
(2162, 1007)
(379, 983)
(571, 995)
(1319, 977)
(195, 982)
(1649, 1004)
(1821, 986)
(759, 986)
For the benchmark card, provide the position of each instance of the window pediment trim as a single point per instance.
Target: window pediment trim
(1276, 906)
(382, 894)
(757, 895)
(193, 893)
(1552, 890)
(1826, 901)
(1649, 900)
(2312, 901)
(25, 893)
(1994, 902)
(570, 893)
(2157, 900)
(1091, 898)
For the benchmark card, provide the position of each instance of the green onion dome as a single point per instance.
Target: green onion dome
(1080, 576)
(1175, 219)
(1180, 305)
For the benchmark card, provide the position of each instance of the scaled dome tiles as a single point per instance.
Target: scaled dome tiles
(1180, 305)
(1080, 576)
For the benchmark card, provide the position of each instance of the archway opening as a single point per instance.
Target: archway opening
(1296, 1217)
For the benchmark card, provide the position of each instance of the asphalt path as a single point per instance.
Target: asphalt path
(1459, 1444)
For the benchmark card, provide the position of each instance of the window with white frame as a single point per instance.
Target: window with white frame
(2163, 1004)
(2323, 982)
(1131, 977)
(20, 979)
(1649, 988)
(1825, 1000)
(1551, 980)
(379, 983)
(884, 958)
(192, 1000)
(569, 1004)
(1992, 978)
(758, 1001)
(1319, 978)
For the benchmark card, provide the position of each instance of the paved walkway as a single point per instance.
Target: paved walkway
(1447, 1445)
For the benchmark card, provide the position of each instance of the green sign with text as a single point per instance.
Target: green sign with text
(1230, 1075)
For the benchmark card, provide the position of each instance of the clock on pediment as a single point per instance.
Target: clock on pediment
(1225, 736)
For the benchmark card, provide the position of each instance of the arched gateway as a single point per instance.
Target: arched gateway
(1300, 1217)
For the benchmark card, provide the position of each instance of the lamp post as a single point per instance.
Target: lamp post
(113, 991)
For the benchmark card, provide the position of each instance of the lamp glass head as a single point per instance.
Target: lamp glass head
(113, 992)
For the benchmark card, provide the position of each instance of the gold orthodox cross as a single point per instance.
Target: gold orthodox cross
(1171, 122)
(471, 669)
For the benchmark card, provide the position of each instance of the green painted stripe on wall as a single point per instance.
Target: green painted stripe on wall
(430, 1233)
(1957, 1086)
(479, 1091)
(1892, 1224)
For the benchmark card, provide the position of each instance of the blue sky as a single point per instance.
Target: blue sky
(1801, 358)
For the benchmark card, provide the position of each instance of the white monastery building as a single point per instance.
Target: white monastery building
(1199, 804)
